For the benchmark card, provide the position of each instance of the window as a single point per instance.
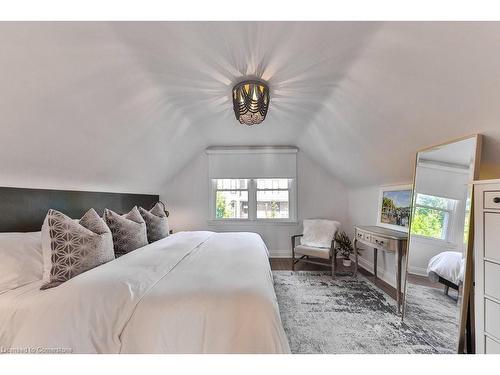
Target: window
(231, 199)
(433, 216)
(273, 198)
(265, 199)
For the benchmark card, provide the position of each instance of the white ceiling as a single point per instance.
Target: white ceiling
(125, 106)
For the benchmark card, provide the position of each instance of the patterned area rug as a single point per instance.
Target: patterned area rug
(347, 315)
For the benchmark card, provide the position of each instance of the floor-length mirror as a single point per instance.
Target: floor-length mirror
(436, 270)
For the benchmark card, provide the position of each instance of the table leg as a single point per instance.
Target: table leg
(375, 252)
(355, 257)
(398, 279)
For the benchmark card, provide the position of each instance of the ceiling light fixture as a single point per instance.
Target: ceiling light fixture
(250, 102)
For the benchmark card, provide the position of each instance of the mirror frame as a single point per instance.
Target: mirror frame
(466, 318)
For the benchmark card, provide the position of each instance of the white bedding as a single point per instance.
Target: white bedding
(192, 292)
(449, 265)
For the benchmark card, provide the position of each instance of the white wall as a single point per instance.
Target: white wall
(320, 195)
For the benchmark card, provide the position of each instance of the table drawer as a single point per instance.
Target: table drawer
(492, 280)
(379, 241)
(492, 318)
(492, 200)
(360, 235)
(385, 243)
(492, 347)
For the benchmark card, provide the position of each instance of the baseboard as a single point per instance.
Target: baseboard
(280, 253)
(418, 271)
(382, 274)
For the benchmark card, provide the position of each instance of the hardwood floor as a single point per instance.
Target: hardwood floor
(285, 264)
(422, 280)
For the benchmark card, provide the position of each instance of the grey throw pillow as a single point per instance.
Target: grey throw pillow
(156, 222)
(76, 247)
(129, 230)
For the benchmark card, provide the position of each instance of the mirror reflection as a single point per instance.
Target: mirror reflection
(438, 240)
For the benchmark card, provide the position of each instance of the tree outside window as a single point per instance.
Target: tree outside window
(432, 216)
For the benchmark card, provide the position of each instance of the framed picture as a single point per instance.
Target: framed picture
(394, 207)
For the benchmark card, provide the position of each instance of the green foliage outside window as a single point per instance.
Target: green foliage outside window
(431, 216)
(432, 201)
(220, 210)
(428, 222)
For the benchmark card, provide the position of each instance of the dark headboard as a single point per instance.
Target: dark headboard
(23, 210)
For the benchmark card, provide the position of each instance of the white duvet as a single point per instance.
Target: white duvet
(449, 265)
(192, 292)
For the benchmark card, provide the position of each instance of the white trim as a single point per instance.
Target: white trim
(486, 182)
(381, 194)
(252, 150)
(280, 253)
(417, 271)
(431, 241)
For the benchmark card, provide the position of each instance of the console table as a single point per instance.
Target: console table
(387, 240)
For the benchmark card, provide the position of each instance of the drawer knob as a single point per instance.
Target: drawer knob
(496, 199)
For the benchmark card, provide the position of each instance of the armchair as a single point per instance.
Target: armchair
(317, 245)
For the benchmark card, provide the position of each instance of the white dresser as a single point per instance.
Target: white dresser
(487, 265)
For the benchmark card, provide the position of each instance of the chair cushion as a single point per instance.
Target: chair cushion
(317, 252)
(319, 232)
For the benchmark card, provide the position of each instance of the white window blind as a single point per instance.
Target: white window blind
(252, 162)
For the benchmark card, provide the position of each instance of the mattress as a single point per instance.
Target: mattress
(192, 292)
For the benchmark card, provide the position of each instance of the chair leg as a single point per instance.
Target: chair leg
(333, 266)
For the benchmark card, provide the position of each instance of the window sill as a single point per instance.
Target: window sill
(434, 241)
(247, 222)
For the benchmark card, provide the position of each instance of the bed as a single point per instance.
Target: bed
(191, 292)
(447, 268)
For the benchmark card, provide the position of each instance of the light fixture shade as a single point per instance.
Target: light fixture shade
(250, 102)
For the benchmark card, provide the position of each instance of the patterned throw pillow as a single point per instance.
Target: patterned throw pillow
(129, 230)
(75, 247)
(156, 223)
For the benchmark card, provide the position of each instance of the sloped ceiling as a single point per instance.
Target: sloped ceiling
(125, 106)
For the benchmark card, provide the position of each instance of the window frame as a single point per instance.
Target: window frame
(252, 202)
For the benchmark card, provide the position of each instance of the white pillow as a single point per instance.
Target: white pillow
(319, 232)
(20, 259)
(46, 251)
